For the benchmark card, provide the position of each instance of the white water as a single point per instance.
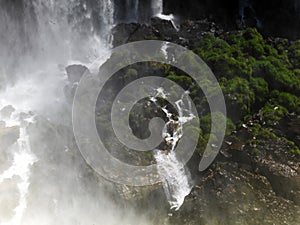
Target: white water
(23, 159)
(176, 178)
(26, 95)
(157, 9)
(55, 193)
(63, 35)
(35, 87)
(39, 79)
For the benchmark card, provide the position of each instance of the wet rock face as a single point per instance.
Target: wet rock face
(188, 33)
(124, 33)
(249, 183)
(232, 195)
(255, 179)
(272, 160)
(279, 18)
(222, 10)
(291, 126)
(132, 11)
(75, 72)
(276, 18)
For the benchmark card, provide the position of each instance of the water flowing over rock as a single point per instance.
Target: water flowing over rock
(59, 30)
(22, 160)
(175, 175)
(45, 48)
(136, 11)
(176, 180)
(47, 179)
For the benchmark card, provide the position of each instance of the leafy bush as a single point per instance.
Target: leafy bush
(271, 113)
(294, 56)
(260, 88)
(291, 102)
(249, 69)
(239, 97)
(205, 123)
(182, 80)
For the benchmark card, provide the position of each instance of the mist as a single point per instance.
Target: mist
(43, 177)
(49, 48)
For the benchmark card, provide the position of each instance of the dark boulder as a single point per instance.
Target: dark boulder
(187, 34)
(75, 72)
(124, 33)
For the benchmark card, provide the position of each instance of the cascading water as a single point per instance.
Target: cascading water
(136, 11)
(176, 178)
(133, 7)
(22, 159)
(38, 39)
(157, 7)
(157, 10)
(76, 28)
(41, 38)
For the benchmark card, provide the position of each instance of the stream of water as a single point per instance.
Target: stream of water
(44, 38)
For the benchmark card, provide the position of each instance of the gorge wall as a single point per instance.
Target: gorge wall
(276, 18)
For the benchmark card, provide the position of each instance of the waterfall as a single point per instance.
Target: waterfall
(136, 11)
(23, 159)
(157, 7)
(175, 176)
(39, 38)
(157, 11)
(50, 30)
(108, 15)
(132, 6)
(128, 11)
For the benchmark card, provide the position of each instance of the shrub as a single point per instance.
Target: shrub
(291, 102)
(260, 88)
(205, 123)
(294, 54)
(271, 113)
(239, 97)
(184, 81)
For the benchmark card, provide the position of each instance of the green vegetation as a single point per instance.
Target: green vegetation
(260, 79)
(294, 50)
(256, 76)
(271, 114)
